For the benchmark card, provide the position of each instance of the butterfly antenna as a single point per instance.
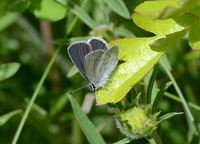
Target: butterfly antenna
(78, 89)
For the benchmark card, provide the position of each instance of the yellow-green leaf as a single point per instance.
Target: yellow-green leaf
(139, 60)
(158, 27)
(194, 39)
(162, 27)
(152, 8)
(184, 6)
(162, 44)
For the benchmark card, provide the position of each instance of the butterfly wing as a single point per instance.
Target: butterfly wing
(77, 53)
(91, 62)
(97, 43)
(107, 65)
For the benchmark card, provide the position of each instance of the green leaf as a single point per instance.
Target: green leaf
(7, 20)
(4, 118)
(195, 11)
(139, 58)
(151, 83)
(73, 71)
(184, 6)
(194, 39)
(119, 7)
(79, 12)
(7, 70)
(86, 125)
(169, 115)
(162, 27)
(160, 95)
(48, 10)
(163, 43)
(124, 141)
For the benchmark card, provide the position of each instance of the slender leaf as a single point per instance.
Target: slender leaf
(119, 7)
(4, 118)
(79, 12)
(169, 115)
(37, 90)
(59, 105)
(7, 70)
(88, 128)
(73, 71)
(124, 32)
(124, 141)
(185, 105)
(160, 95)
(151, 83)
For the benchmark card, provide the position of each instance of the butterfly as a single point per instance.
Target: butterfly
(94, 60)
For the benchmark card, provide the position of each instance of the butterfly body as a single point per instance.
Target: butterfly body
(94, 60)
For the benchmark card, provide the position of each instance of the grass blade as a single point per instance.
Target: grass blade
(35, 94)
(169, 115)
(119, 7)
(4, 118)
(160, 95)
(86, 125)
(185, 105)
(151, 82)
(79, 12)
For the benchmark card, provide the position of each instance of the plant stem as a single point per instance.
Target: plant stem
(185, 105)
(35, 94)
(154, 139)
(176, 98)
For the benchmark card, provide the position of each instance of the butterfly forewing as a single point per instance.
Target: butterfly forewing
(107, 65)
(77, 53)
(97, 43)
(91, 63)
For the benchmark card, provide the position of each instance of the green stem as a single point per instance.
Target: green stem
(174, 97)
(154, 139)
(35, 94)
(185, 105)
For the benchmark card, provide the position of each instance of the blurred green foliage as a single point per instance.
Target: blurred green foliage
(32, 30)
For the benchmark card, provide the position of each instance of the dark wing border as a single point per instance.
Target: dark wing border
(77, 52)
(97, 43)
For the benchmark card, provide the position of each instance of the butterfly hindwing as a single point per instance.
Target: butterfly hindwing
(77, 53)
(97, 43)
(91, 63)
(107, 65)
